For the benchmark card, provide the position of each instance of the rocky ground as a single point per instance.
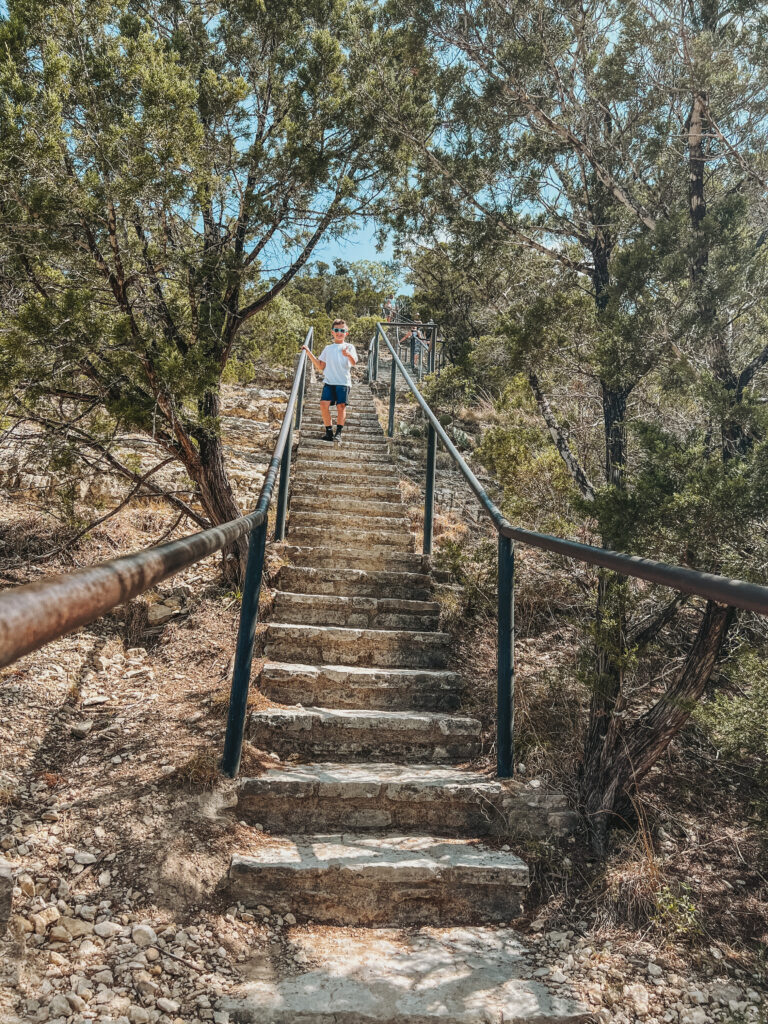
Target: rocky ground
(119, 831)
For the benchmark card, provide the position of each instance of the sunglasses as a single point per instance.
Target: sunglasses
(339, 330)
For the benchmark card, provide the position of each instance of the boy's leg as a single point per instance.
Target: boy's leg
(341, 414)
(325, 410)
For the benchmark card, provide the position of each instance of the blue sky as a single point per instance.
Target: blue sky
(358, 245)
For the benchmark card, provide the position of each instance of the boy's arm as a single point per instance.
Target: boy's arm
(317, 363)
(350, 356)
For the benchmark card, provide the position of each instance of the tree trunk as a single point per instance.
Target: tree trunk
(620, 758)
(605, 722)
(216, 492)
(204, 462)
(220, 504)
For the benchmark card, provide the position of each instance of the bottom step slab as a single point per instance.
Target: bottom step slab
(393, 880)
(382, 976)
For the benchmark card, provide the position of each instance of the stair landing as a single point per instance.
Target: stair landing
(384, 976)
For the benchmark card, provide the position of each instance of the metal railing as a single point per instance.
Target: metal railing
(736, 593)
(37, 613)
(432, 346)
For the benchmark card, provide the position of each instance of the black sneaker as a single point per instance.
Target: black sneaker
(328, 435)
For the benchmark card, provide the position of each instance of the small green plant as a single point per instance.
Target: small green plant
(676, 913)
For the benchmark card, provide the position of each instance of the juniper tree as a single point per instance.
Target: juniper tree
(166, 168)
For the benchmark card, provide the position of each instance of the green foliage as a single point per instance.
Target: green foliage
(166, 171)
(456, 385)
(737, 718)
(475, 569)
(274, 335)
(675, 912)
(361, 331)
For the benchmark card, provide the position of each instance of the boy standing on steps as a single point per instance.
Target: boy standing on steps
(335, 363)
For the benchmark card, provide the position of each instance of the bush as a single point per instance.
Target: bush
(737, 722)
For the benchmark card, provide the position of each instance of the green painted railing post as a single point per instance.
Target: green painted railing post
(392, 395)
(429, 492)
(241, 677)
(505, 665)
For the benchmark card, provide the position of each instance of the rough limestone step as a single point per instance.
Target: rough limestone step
(321, 645)
(363, 432)
(349, 686)
(346, 582)
(343, 455)
(354, 734)
(326, 501)
(441, 800)
(356, 469)
(376, 560)
(384, 976)
(339, 461)
(350, 537)
(352, 428)
(394, 880)
(319, 482)
(375, 445)
(348, 518)
(356, 612)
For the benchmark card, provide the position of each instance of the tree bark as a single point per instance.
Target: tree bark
(622, 756)
(216, 494)
(560, 440)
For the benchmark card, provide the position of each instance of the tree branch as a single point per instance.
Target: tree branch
(102, 519)
(561, 442)
(258, 304)
(641, 637)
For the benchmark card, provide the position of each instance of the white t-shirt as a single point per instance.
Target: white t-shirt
(337, 367)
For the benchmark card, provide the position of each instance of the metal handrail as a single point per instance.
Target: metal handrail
(34, 614)
(723, 590)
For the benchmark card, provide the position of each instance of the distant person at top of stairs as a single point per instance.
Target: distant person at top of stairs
(335, 363)
(390, 309)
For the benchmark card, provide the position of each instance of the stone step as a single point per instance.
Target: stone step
(351, 538)
(320, 645)
(356, 612)
(348, 686)
(326, 502)
(348, 518)
(365, 431)
(387, 976)
(374, 560)
(352, 426)
(426, 737)
(351, 444)
(340, 455)
(319, 482)
(439, 799)
(368, 880)
(300, 579)
(353, 469)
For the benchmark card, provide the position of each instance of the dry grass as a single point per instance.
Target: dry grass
(135, 621)
(200, 773)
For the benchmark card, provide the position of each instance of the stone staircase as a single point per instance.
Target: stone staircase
(383, 822)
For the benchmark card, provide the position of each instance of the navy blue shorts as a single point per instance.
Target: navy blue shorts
(336, 394)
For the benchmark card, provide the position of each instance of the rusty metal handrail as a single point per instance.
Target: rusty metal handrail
(34, 614)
